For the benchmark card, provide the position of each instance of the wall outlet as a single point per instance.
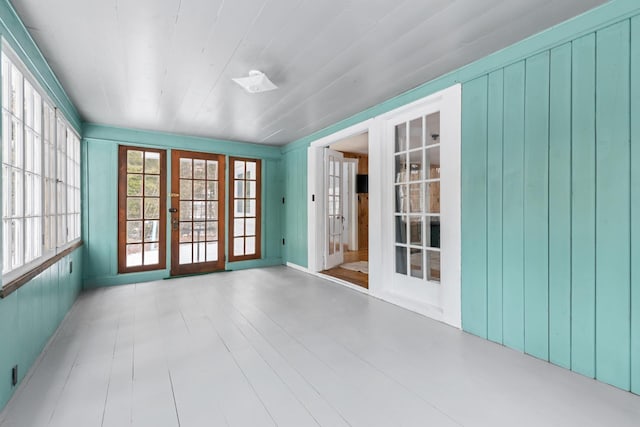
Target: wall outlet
(14, 376)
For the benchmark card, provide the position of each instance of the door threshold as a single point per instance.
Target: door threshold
(342, 282)
(178, 276)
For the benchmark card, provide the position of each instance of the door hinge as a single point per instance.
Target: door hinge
(313, 197)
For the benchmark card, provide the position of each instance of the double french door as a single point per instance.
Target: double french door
(197, 212)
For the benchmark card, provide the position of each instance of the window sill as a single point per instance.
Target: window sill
(24, 278)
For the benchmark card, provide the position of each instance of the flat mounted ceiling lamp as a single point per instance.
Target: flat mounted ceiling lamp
(256, 82)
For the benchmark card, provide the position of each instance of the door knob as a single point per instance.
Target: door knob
(173, 210)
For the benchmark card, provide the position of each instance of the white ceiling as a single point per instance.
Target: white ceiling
(167, 65)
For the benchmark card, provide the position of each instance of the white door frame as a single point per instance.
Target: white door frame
(381, 238)
(317, 193)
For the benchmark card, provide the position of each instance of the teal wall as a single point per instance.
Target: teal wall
(550, 214)
(30, 315)
(550, 193)
(100, 198)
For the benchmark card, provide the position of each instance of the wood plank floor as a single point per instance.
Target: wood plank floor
(279, 347)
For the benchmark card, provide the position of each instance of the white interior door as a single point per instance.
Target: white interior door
(422, 221)
(350, 205)
(334, 224)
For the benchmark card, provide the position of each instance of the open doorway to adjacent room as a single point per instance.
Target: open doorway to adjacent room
(346, 248)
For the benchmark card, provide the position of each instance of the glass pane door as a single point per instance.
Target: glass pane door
(417, 197)
(197, 212)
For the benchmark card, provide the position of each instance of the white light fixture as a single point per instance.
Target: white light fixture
(256, 82)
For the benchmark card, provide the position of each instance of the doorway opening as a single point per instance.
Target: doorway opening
(346, 247)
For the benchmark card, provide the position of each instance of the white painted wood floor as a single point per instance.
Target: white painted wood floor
(278, 347)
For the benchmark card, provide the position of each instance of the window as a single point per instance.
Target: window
(417, 189)
(141, 209)
(36, 174)
(245, 218)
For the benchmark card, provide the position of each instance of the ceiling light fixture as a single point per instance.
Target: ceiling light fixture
(256, 82)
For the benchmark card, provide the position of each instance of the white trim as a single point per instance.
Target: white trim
(297, 267)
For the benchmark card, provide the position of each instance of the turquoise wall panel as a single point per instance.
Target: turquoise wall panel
(635, 206)
(560, 206)
(474, 207)
(613, 205)
(583, 206)
(495, 149)
(30, 316)
(536, 207)
(568, 282)
(100, 198)
(295, 207)
(513, 206)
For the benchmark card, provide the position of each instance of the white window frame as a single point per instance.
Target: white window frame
(60, 245)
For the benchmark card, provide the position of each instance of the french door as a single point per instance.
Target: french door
(197, 212)
(334, 254)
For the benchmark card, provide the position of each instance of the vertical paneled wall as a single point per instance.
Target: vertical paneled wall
(30, 315)
(295, 208)
(551, 205)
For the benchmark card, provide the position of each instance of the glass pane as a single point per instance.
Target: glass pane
(250, 246)
(151, 208)
(401, 137)
(416, 167)
(401, 260)
(433, 162)
(199, 231)
(199, 252)
(415, 133)
(416, 198)
(415, 230)
(151, 231)
(212, 190)
(199, 171)
(186, 213)
(212, 210)
(239, 208)
(134, 208)
(251, 170)
(238, 169)
(199, 190)
(134, 161)
(417, 269)
(212, 251)
(402, 201)
(250, 208)
(151, 253)
(433, 236)
(238, 227)
(212, 169)
(250, 227)
(433, 197)
(185, 189)
(186, 168)
(433, 128)
(238, 246)
(199, 211)
(134, 231)
(152, 185)
(433, 270)
(238, 189)
(185, 253)
(212, 230)
(401, 168)
(134, 255)
(151, 163)
(331, 246)
(401, 229)
(251, 189)
(186, 234)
